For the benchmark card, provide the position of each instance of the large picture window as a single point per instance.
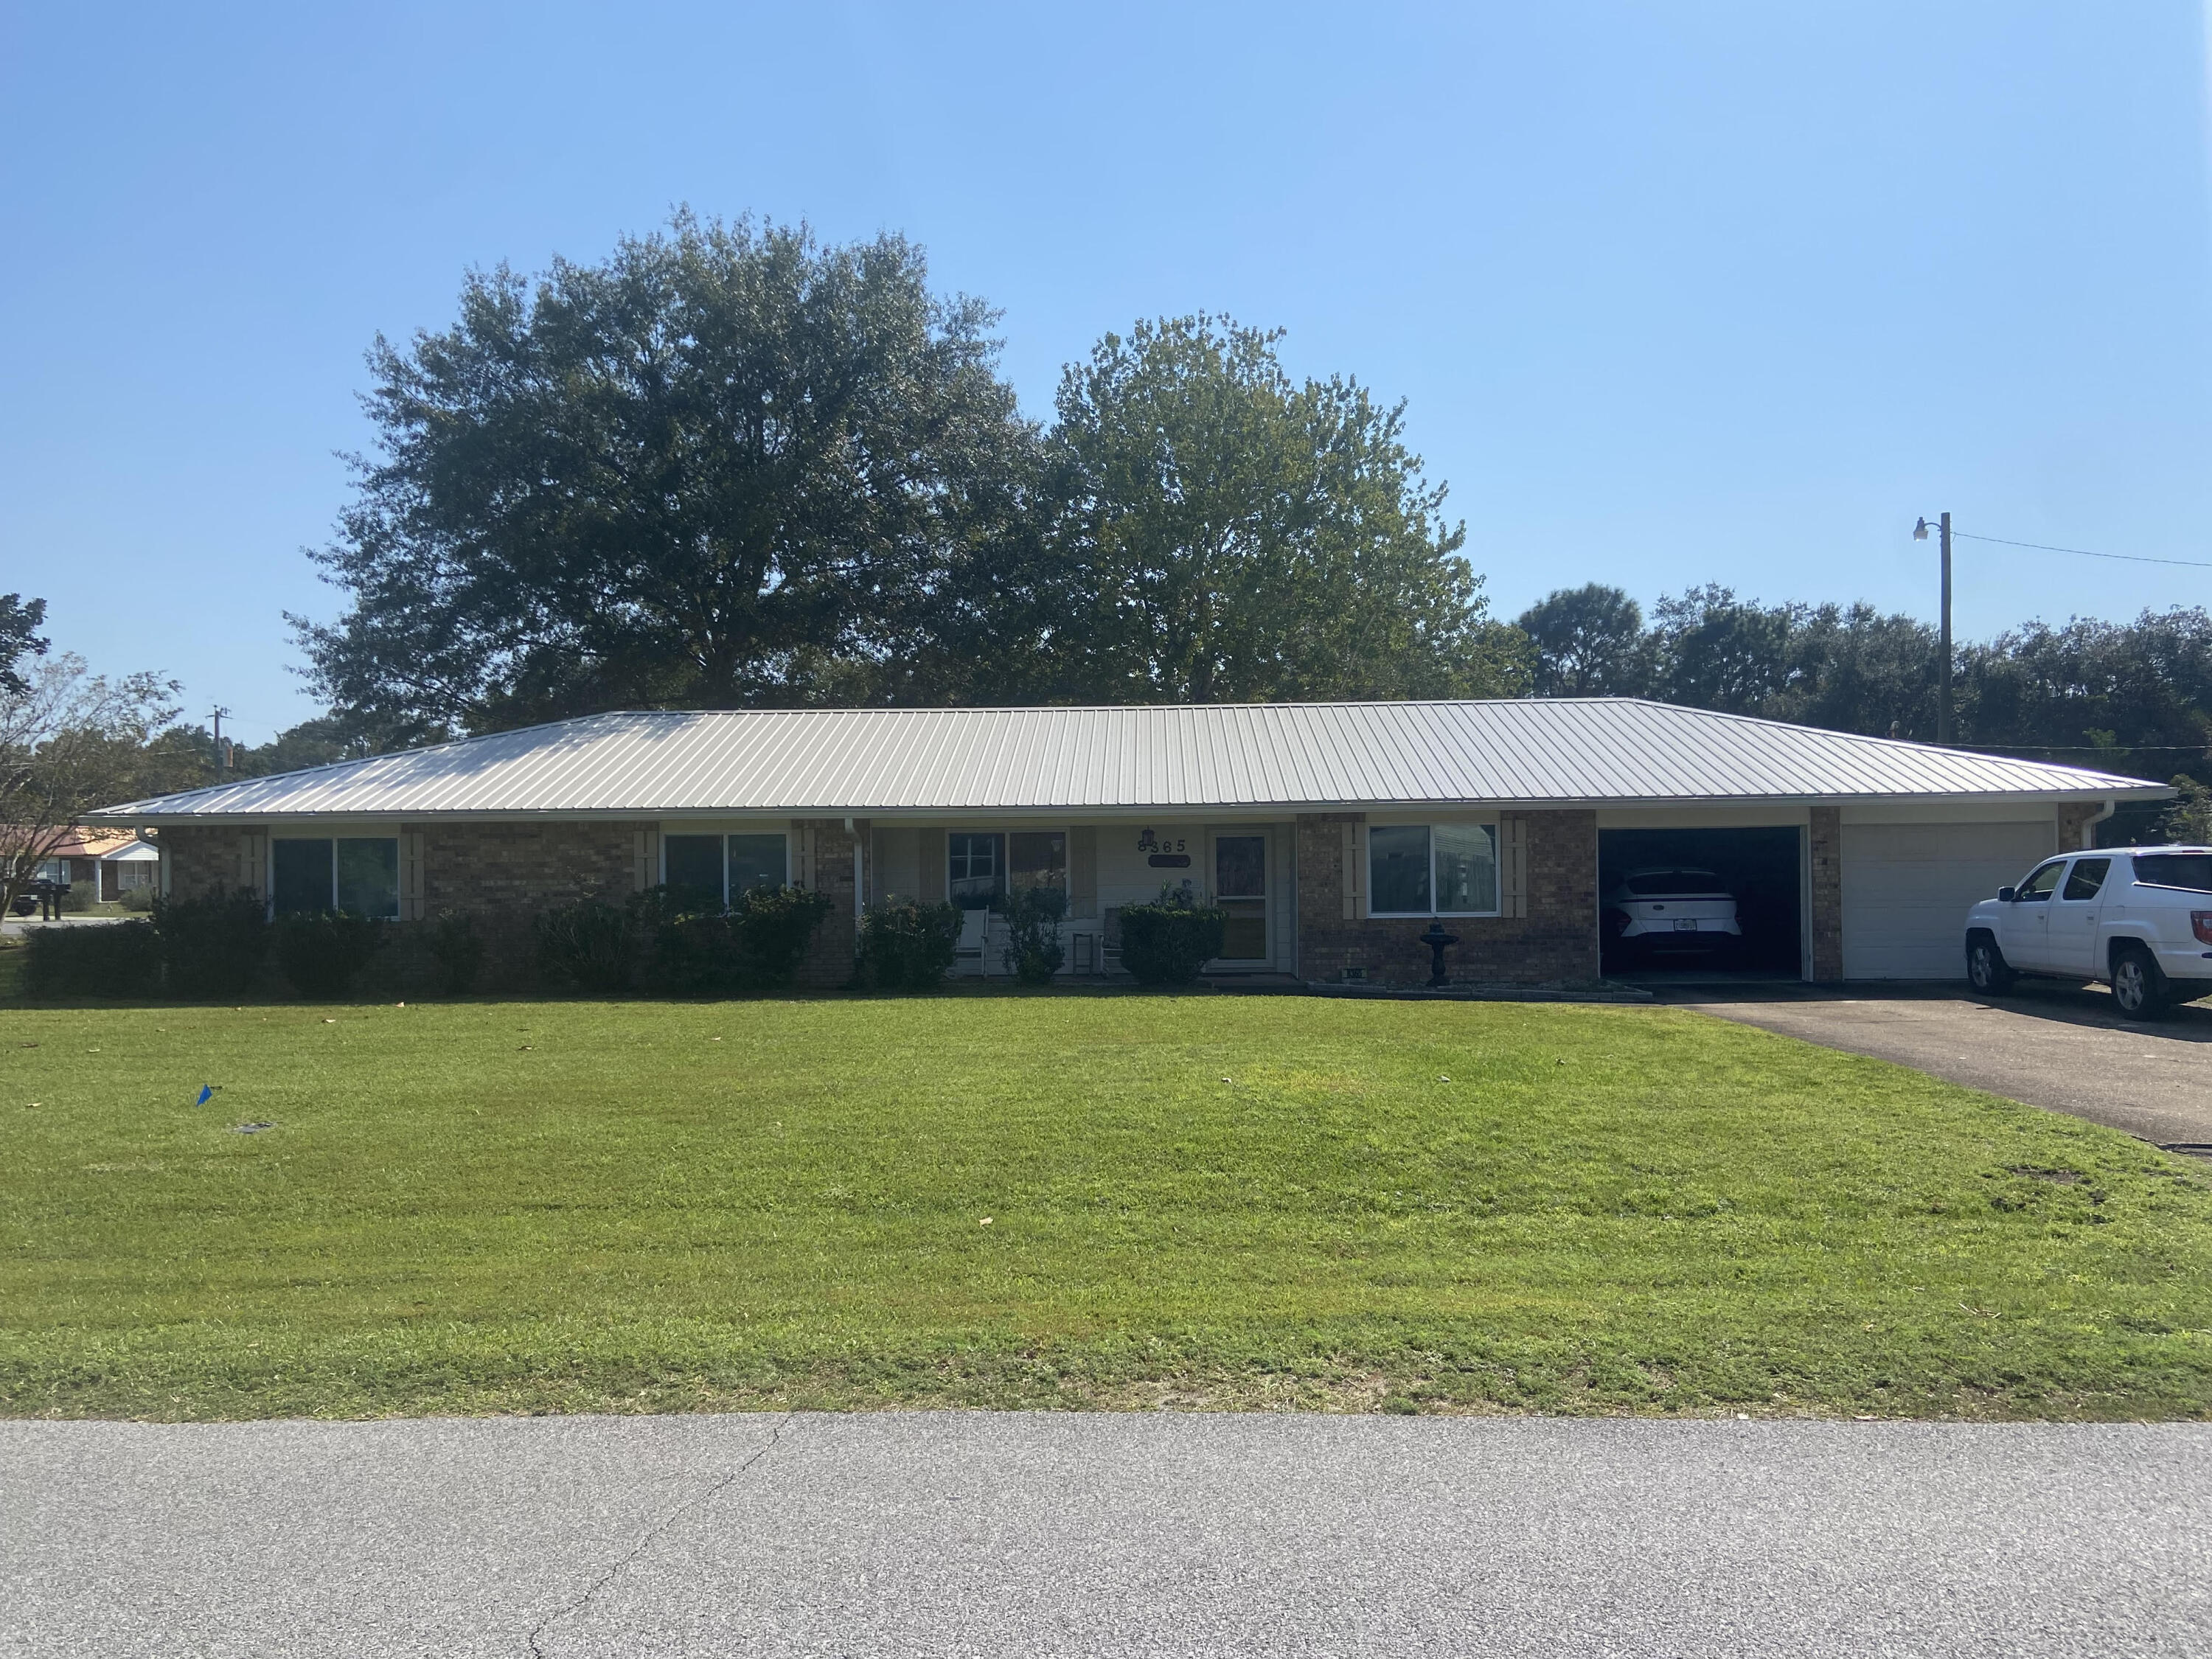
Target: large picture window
(1432, 869)
(358, 874)
(715, 869)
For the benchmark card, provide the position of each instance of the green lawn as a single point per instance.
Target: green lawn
(1112, 1199)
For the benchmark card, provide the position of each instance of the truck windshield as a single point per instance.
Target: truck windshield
(2192, 871)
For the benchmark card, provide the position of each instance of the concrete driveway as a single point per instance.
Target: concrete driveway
(2049, 1044)
(1017, 1533)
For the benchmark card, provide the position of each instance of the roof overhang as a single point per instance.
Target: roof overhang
(1063, 813)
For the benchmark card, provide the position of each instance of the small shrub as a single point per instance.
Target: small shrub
(909, 946)
(1169, 942)
(139, 901)
(590, 944)
(212, 946)
(322, 952)
(459, 951)
(772, 927)
(691, 950)
(124, 960)
(1033, 953)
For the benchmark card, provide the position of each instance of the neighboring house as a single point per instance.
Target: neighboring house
(1334, 834)
(101, 864)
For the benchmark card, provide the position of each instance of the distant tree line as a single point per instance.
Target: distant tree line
(2128, 698)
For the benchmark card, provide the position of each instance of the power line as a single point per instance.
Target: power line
(2045, 547)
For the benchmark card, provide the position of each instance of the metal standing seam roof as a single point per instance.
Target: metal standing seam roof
(1578, 751)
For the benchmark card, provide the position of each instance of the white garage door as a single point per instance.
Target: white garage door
(1907, 888)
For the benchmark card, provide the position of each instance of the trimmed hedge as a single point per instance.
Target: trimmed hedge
(116, 959)
(214, 946)
(323, 952)
(1168, 944)
(908, 946)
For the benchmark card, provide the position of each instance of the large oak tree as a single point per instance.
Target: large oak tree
(729, 465)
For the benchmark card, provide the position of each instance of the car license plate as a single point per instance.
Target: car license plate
(1686, 926)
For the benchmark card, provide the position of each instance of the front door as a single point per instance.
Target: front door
(1240, 887)
(2024, 926)
(2073, 925)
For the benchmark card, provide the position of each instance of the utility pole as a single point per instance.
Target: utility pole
(1943, 644)
(1942, 628)
(220, 711)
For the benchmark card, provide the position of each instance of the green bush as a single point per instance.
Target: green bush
(212, 946)
(908, 946)
(323, 952)
(139, 901)
(1033, 953)
(458, 951)
(691, 948)
(122, 960)
(1168, 943)
(590, 944)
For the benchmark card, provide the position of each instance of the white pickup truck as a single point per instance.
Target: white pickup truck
(2139, 918)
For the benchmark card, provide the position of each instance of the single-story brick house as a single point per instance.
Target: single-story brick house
(1334, 834)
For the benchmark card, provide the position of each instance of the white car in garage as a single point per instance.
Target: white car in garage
(2138, 918)
(1673, 906)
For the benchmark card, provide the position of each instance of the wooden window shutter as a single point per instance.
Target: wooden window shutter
(253, 862)
(1083, 871)
(1513, 865)
(932, 875)
(803, 874)
(645, 855)
(411, 875)
(1350, 882)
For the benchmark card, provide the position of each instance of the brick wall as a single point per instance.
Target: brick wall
(2072, 818)
(204, 861)
(1554, 942)
(823, 859)
(502, 874)
(1825, 845)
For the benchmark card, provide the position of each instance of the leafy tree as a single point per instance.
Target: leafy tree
(71, 741)
(2130, 696)
(1852, 669)
(1226, 535)
(727, 466)
(18, 638)
(2189, 817)
(1590, 642)
(1712, 650)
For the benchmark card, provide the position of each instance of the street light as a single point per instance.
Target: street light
(1943, 629)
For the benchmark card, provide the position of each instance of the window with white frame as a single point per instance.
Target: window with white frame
(1432, 869)
(720, 867)
(358, 874)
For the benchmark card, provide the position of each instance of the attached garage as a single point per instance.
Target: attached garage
(1907, 888)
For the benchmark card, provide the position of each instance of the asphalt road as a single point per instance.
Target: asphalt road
(977, 1534)
(2049, 1044)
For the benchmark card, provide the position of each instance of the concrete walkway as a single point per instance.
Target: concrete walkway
(2049, 1044)
(975, 1534)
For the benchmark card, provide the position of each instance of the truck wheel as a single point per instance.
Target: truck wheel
(1985, 968)
(2138, 988)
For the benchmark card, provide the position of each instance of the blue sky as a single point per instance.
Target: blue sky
(1674, 294)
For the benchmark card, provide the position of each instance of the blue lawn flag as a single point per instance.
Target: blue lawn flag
(207, 1093)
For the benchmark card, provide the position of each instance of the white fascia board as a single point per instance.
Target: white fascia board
(932, 815)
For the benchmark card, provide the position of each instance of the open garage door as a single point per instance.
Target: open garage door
(1757, 868)
(1907, 888)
